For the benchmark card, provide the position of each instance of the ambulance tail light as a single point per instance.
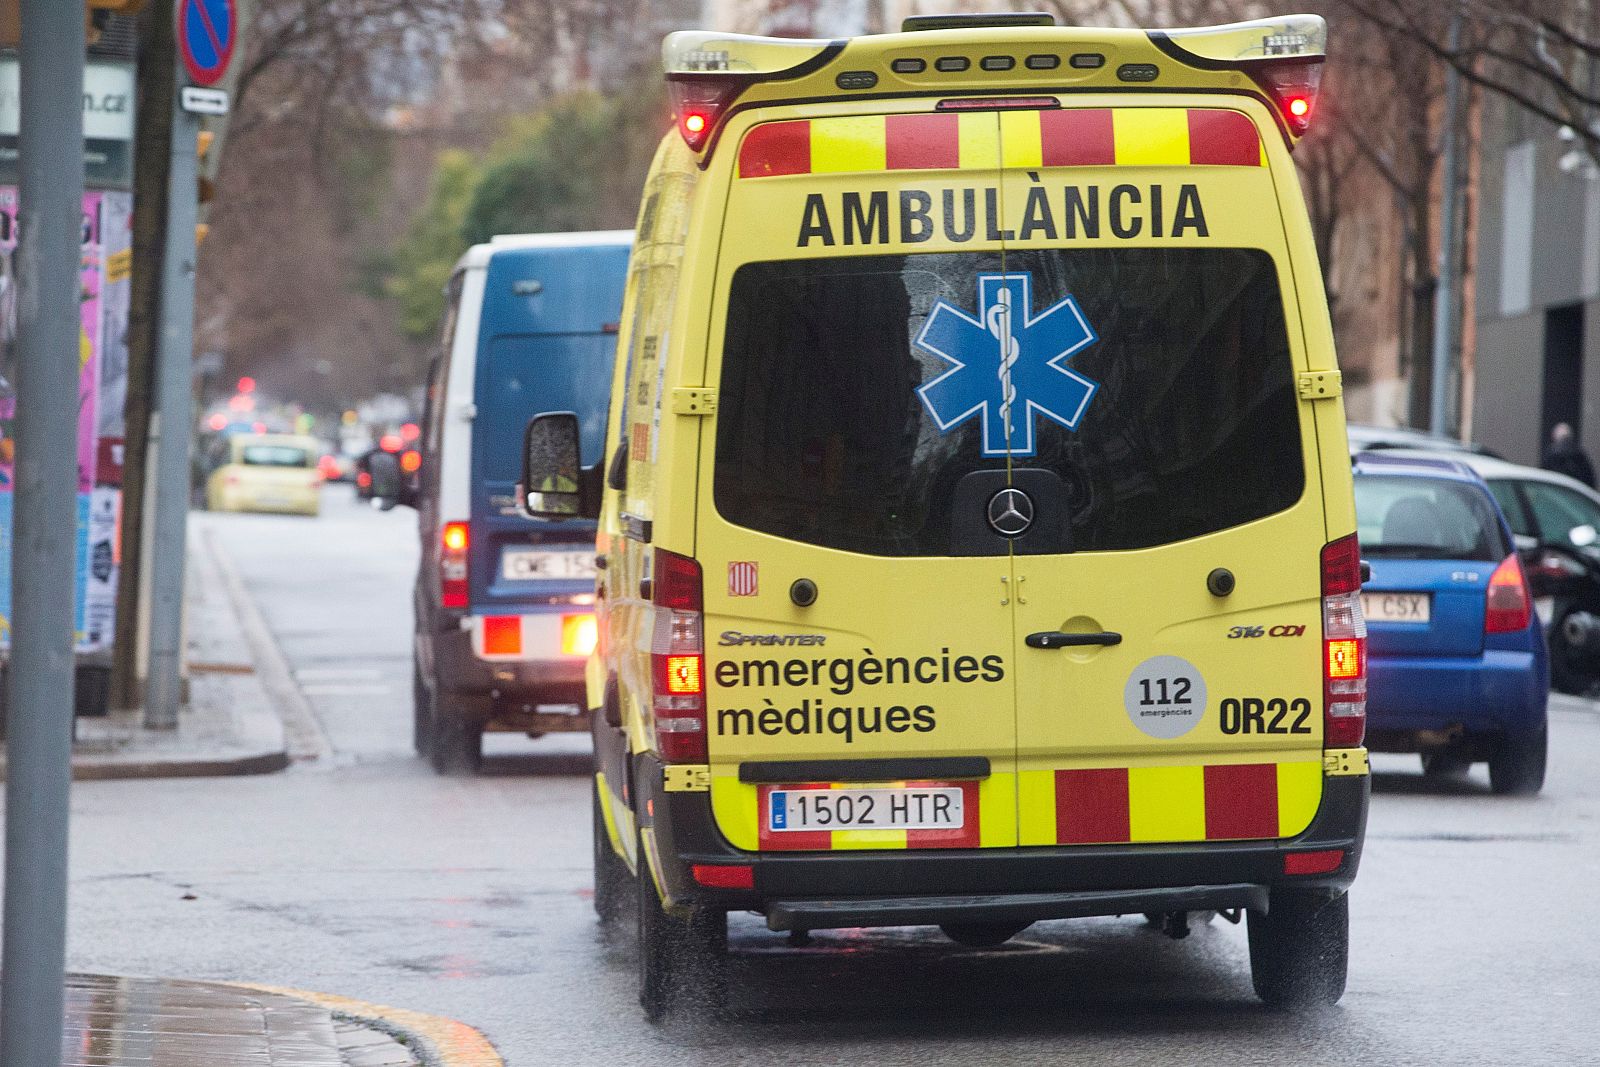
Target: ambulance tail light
(453, 542)
(677, 654)
(1325, 861)
(1344, 641)
(707, 71)
(1293, 88)
(1507, 608)
(724, 875)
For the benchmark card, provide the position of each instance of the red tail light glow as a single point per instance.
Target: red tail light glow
(1344, 639)
(700, 102)
(1293, 86)
(453, 541)
(678, 658)
(1507, 608)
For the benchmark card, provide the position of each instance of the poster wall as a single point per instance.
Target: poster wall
(103, 315)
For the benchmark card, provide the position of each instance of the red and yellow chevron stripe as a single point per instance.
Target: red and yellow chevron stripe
(1067, 137)
(1078, 806)
(1212, 802)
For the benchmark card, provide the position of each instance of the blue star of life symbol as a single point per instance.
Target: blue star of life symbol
(1007, 364)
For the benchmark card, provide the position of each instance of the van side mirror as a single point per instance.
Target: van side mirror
(388, 487)
(553, 480)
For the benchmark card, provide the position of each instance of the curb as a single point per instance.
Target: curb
(111, 770)
(303, 732)
(441, 1042)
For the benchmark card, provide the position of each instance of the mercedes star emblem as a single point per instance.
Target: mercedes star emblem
(1010, 512)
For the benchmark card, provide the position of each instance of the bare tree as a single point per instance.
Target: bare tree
(1542, 54)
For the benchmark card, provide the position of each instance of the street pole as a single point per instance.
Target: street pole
(170, 425)
(43, 550)
(1444, 291)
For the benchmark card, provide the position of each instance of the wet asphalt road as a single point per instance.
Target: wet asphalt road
(368, 876)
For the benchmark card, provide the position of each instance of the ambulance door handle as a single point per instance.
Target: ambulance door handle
(1057, 639)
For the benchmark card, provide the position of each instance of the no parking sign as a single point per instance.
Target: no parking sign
(206, 32)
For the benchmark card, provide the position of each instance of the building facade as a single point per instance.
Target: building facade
(1538, 286)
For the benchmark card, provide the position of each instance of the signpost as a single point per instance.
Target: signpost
(39, 727)
(206, 30)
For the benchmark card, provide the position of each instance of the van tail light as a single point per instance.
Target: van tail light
(677, 655)
(1293, 86)
(453, 542)
(578, 635)
(1507, 607)
(1344, 646)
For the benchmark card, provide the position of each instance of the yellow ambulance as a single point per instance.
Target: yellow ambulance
(976, 535)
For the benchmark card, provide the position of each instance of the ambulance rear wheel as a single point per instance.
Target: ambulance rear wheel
(682, 959)
(1300, 949)
(611, 876)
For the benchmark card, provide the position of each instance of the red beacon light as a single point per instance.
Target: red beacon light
(707, 71)
(1282, 55)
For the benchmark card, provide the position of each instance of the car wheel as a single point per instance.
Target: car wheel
(1300, 948)
(1571, 670)
(421, 713)
(1517, 766)
(456, 745)
(611, 875)
(1445, 765)
(682, 960)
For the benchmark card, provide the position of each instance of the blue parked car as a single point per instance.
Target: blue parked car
(1457, 666)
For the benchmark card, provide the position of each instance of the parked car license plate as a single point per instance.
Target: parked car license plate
(887, 808)
(1396, 607)
(524, 564)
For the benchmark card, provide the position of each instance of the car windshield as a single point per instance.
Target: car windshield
(1408, 517)
(274, 456)
(858, 391)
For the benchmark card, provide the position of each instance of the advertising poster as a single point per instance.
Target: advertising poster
(92, 328)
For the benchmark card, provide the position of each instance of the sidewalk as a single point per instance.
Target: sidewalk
(147, 1022)
(234, 722)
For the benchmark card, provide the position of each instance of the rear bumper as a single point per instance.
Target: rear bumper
(1007, 907)
(504, 689)
(913, 887)
(1496, 693)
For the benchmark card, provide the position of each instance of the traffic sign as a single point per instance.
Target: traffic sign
(204, 101)
(206, 32)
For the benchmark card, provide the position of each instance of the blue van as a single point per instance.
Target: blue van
(504, 603)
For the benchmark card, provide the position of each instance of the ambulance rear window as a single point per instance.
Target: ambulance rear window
(857, 391)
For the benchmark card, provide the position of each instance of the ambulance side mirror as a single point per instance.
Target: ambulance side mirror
(553, 480)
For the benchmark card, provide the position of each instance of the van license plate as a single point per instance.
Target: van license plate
(521, 564)
(1396, 607)
(894, 808)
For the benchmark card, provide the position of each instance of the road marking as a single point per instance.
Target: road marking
(338, 674)
(452, 1043)
(342, 689)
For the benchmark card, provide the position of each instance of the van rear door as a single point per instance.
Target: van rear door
(1149, 707)
(547, 340)
(821, 469)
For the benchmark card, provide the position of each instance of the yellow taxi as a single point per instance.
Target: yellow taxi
(266, 472)
(976, 525)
